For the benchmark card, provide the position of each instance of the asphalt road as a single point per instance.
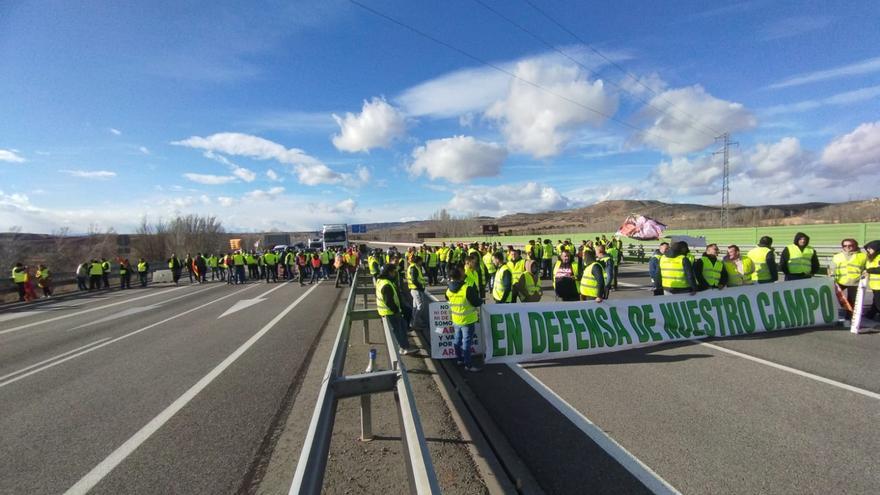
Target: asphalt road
(696, 418)
(150, 390)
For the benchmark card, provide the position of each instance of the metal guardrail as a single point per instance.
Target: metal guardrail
(309, 476)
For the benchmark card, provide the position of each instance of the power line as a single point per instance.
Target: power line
(587, 69)
(504, 71)
(613, 63)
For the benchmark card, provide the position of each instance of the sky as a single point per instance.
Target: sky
(284, 115)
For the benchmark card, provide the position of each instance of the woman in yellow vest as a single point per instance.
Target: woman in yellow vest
(872, 271)
(846, 269)
(464, 299)
(739, 270)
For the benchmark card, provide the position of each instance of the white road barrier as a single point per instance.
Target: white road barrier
(162, 276)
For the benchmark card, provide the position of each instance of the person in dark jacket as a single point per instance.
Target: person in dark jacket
(389, 303)
(201, 267)
(679, 249)
(798, 260)
(654, 267)
(175, 266)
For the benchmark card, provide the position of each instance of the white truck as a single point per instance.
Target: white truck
(335, 236)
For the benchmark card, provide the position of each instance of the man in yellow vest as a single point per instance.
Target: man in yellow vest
(676, 271)
(709, 270)
(846, 269)
(502, 287)
(19, 277)
(464, 301)
(416, 282)
(739, 270)
(872, 271)
(143, 269)
(798, 260)
(765, 261)
(517, 265)
(175, 267)
(592, 284)
(389, 308)
(239, 261)
(96, 272)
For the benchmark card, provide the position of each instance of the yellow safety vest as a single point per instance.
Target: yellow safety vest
(381, 305)
(759, 258)
(420, 277)
(96, 269)
(799, 262)
(374, 265)
(487, 262)
(712, 271)
(516, 269)
(589, 286)
(531, 286)
(547, 252)
(19, 275)
(497, 290)
(575, 270)
(734, 277)
(672, 272)
(463, 312)
(142, 267)
(848, 271)
(238, 259)
(874, 278)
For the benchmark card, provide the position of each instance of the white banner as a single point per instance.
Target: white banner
(443, 333)
(536, 331)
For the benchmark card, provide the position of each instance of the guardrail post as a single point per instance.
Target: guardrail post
(366, 418)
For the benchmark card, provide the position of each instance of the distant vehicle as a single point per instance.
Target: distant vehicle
(315, 244)
(335, 236)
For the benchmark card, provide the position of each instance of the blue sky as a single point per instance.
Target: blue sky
(285, 115)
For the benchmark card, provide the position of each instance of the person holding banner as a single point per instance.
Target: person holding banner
(566, 274)
(709, 271)
(846, 268)
(502, 287)
(609, 266)
(464, 300)
(592, 286)
(739, 270)
(676, 271)
(654, 267)
(765, 261)
(872, 271)
(798, 260)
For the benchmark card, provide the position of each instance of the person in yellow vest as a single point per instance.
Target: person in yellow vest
(175, 267)
(528, 289)
(614, 254)
(464, 301)
(592, 285)
(739, 270)
(19, 277)
(96, 272)
(546, 259)
(143, 269)
(798, 260)
(432, 263)
(764, 258)
(529, 248)
(872, 272)
(846, 269)
(490, 268)
(676, 271)
(608, 264)
(517, 265)
(239, 261)
(124, 274)
(502, 287)
(416, 283)
(388, 305)
(566, 277)
(709, 270)
(442, 253)
(373, 264)
(105, 273)
(473, 274)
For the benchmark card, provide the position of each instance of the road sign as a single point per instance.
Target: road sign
(490, 229)
(359, 229)
(426, 235)
(234, 244)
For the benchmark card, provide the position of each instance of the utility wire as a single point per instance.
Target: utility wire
(505, 71)
(587, 69)
(612, 62)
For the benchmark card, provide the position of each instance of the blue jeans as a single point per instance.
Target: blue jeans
(465, 333)
(398, 329)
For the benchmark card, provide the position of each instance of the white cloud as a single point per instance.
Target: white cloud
(847, 98)
(856, 154)
(261, 195)
(90, 174)
(273, 175)
(115, 132)
(605, 192)
(309, 170)
(144, 150)
(208, 179)
(225, 201)
(509, 198)
(782, 160)
(794, 26)
(540, 121)
(673, 129)
(376, 126)
(681, 176)
(866, 66)
(10, 156)
(244, 174)
(345, 207)
(457, 159)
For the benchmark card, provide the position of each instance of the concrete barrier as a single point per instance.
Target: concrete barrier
(162, 276)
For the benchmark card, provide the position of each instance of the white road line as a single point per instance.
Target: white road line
(805, 374)
(112, 317)
(117, 339)
(631, 463)
(104, 468)
(63, 317)
(637, 286)
(52, 358)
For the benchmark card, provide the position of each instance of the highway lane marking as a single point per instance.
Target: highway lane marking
(62, 317)
(20, 314)
(138, 309)
(52, 358)
(246, 303)
(805, 374)
(625, 458)
(117, 339)
(104, 468)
